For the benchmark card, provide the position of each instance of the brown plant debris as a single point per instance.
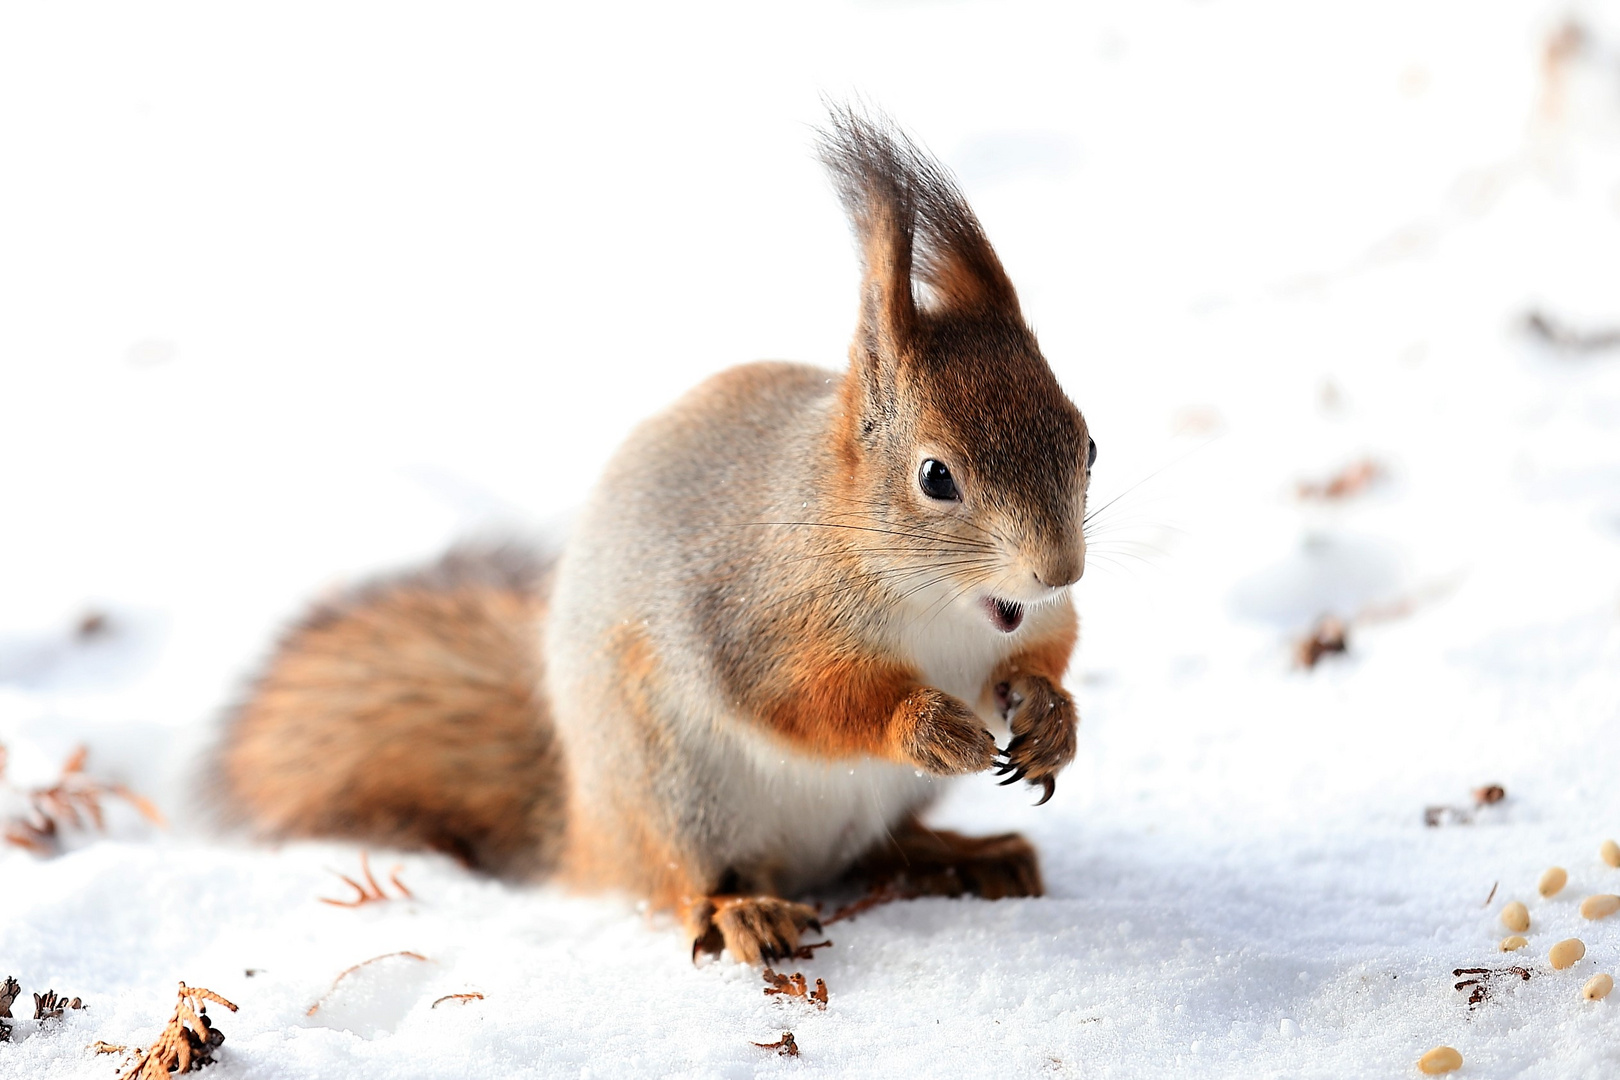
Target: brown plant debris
(795, 986)
(370, 892)
(808, 952)
(463, 998)
(352, 968)
(1491, 897)
(1489, 795)
(784, 1046)
(9, 990)
(48, 1006)
(1329, 635)
(1436, 816)
(1566, 339)
(187, 1043)
(1482, 981)
(74, 800)
(100, 1047)
(882, 893)
(1354, 479)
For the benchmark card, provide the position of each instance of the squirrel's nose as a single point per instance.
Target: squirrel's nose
(1062, 569)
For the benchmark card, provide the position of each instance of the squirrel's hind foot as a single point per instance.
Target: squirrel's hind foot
(928, 862)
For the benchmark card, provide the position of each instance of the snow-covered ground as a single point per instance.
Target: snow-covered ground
(292, 294)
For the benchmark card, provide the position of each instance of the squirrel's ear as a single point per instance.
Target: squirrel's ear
(913, 224)
(869, 170)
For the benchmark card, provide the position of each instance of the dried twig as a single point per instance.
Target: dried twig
(785, 1046)
(370, 892)
(1565, 339)
(1482, 981)
(884, 893)
(1351, 480)
(808, 952)
(75, 799)
(473, 996)
(1491, 897)
(351, 969)
(188, 1041)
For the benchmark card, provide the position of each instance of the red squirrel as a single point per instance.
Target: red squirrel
(795, 602)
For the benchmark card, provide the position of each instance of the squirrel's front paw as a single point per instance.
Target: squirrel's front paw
(1044, 723)
(940, 734)
(753, 928)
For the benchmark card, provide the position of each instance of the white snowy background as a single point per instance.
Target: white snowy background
(295, 293)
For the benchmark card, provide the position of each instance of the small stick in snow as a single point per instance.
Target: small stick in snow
(463, 998)
(1565, 339)
(370, 892)
(808, 952)
(784, 1046)
(1491, 897)
(882, 894)
(351, 969)
(1482, 984)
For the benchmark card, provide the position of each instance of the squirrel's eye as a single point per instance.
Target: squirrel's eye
(1091, 454)
(935, 480)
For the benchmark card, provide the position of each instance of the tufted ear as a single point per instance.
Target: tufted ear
(914, 229)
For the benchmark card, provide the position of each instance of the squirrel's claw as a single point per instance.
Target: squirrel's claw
(1050, 784)
(1014, 778)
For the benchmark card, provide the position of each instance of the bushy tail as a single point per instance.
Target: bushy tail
(408, 713)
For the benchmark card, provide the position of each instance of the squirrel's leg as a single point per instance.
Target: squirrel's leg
(1029, 692)
(937, 862)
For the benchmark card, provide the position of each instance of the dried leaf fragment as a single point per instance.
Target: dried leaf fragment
(1349, 481)
(785, 1046)
(1329, 635)
(48, 1006)
(188, 1041)
(74, 800)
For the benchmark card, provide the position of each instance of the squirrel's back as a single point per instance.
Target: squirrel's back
(408, 713)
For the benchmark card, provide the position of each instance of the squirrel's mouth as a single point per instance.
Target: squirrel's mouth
(1006, 615)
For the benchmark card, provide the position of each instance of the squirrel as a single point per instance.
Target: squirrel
(794, 602)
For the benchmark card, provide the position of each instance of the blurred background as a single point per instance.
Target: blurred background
(297, 293)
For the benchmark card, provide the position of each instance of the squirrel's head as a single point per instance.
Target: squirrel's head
(954, 433)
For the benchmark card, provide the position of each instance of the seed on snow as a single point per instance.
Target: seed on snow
(1552, 881)
(1442, 1059)
(1600, 906)
(1516, 916)
(1597, 987)
(1512, 944)
(1566, 952)
(1610, 851)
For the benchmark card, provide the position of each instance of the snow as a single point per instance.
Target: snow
(295, 295)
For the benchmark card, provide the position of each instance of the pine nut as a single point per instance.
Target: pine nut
(1597, 987)
(1512, 944)
(1516, 916)
(1566, 952)
(1442, 1059)
(1610, 851)
(1552, 881)
(1600, 906)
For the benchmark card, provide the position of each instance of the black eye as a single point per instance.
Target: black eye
(1091, 454)
(935, 480)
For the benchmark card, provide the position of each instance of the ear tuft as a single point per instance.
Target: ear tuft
(912, 223)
